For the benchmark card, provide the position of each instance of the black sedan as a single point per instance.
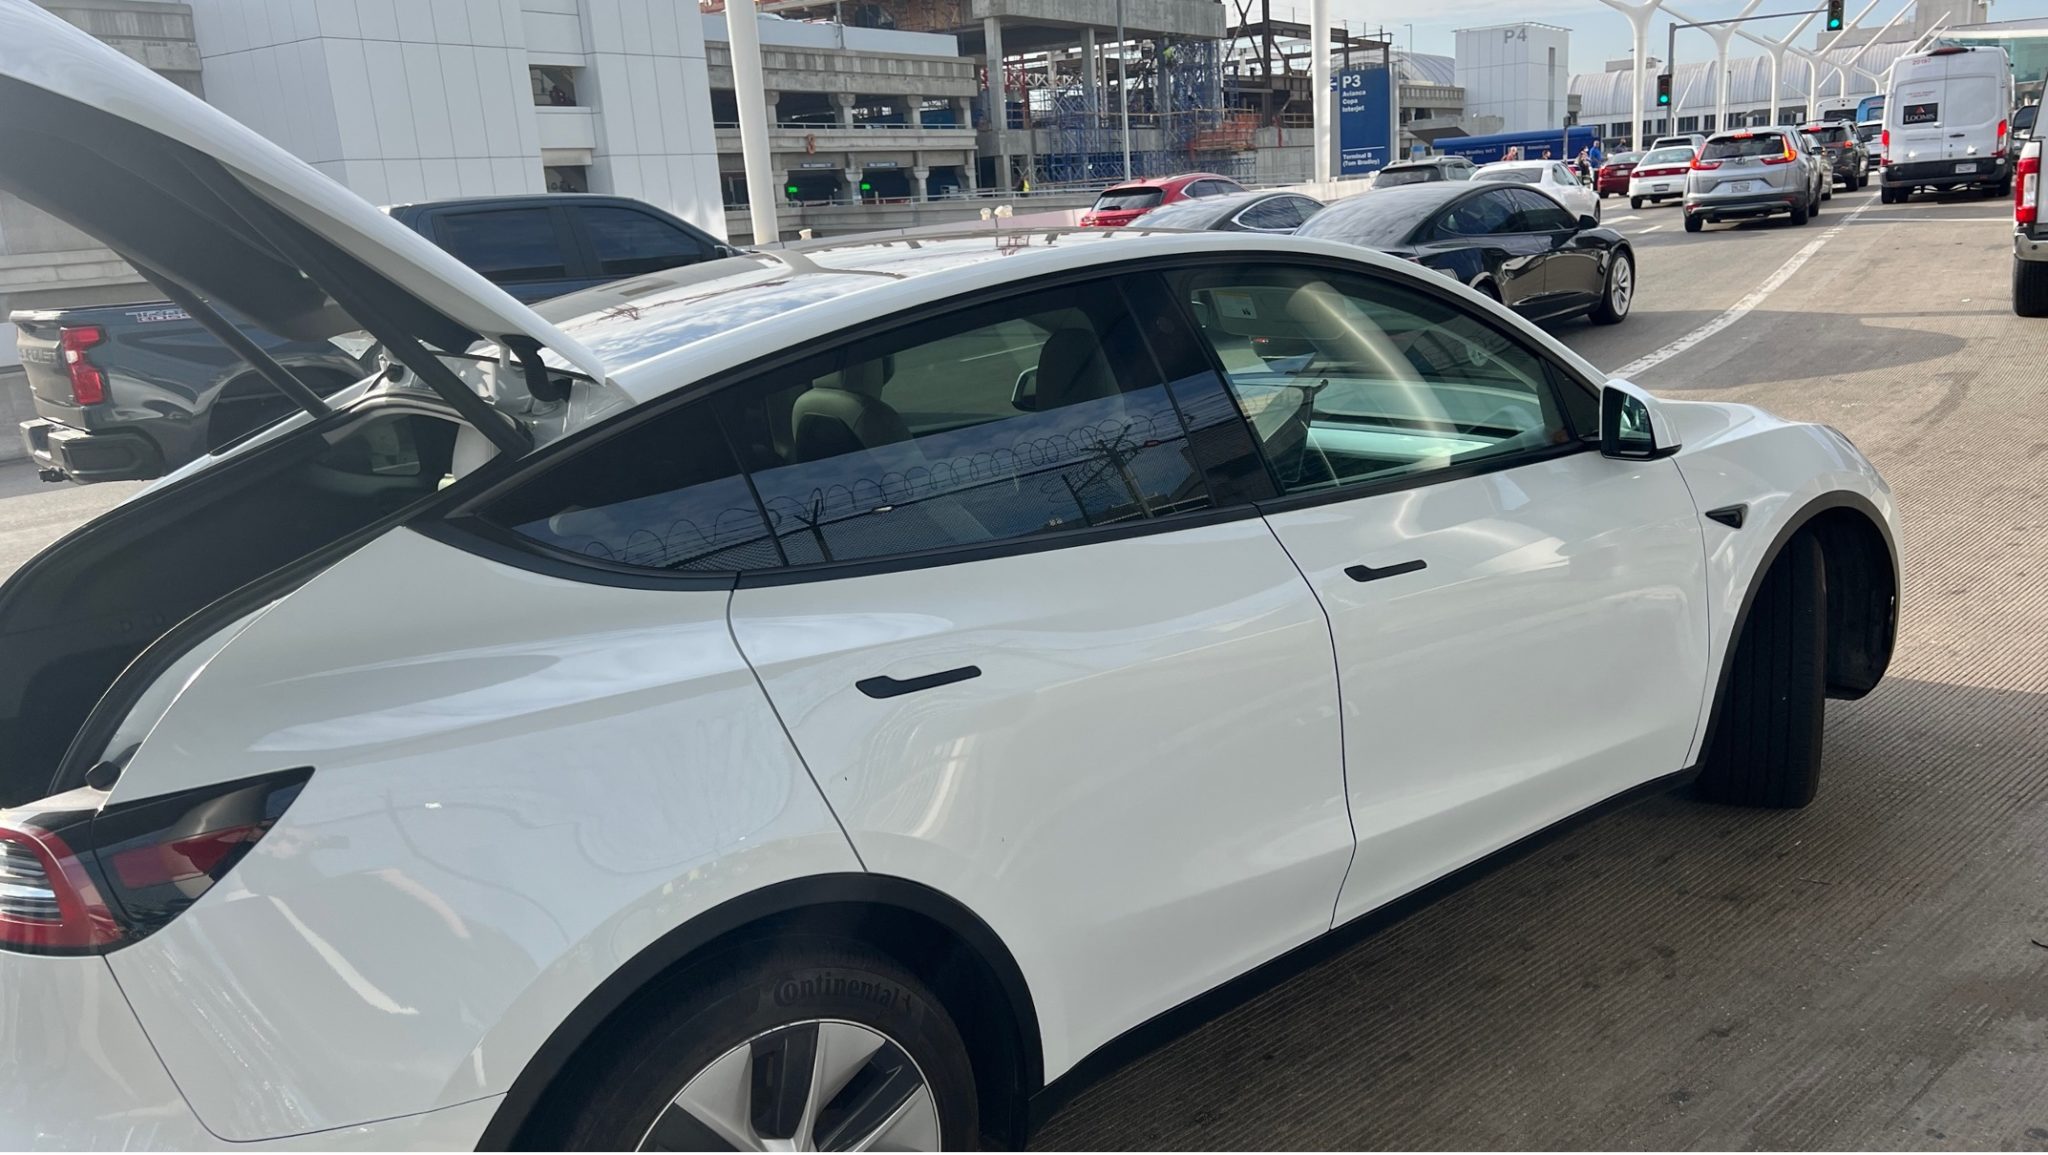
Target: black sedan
(1510, 242)
(1250, 212)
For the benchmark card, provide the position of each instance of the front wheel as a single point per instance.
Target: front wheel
(1766, 743)
(1620, 292)
(810, 1044)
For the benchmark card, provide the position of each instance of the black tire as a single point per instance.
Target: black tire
(1605, 312)
(1766, 744)
(650, 1050)
(1693, 224)
(2030, 288)
(1801, 213)
(1635, 203)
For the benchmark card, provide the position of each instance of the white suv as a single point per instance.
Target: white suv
(818, 700)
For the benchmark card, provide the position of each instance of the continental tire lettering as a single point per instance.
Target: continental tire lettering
(788, 992)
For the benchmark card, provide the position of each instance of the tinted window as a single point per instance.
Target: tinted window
(1305, 207)
(1738, 147)
(1536, 213)
(1037, 414)
(628, 242)
(1277, 213)
(1124, 199)
(665, 494)
(1347, 380)
(1480, 215)
(505, 244)
(1509, 175)
(1389, 178)
(1830, 134)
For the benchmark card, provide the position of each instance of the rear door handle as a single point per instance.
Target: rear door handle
(887, 687)
(1365, 573)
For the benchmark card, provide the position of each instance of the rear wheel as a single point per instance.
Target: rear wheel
(1801, 213)
(1620, 294)
(1766, 744)
(2030, 288)
(813, 1044)
(1635, 202)
(1693, 224)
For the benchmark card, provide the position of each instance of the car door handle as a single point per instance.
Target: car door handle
(887, 687)
(1366, 573)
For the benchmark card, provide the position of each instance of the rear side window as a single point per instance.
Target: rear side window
(1125, 199)
(1274, 213)
(1740, 147)
(508, 245)
(628, 242)
(1477, 216)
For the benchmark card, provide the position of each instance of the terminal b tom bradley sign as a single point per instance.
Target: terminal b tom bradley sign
(1364, 120)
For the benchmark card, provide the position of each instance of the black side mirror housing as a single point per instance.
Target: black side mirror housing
(1588, 221)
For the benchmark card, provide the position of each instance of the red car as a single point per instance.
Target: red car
(1124, 203)
(1612, 179)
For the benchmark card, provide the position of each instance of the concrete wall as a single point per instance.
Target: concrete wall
(1518, 72)
(408, 100)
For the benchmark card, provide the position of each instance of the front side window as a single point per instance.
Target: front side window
(1536, 213)
(1274, 213)
(628, 242)
(1482, 214)
(1348, 380)
(506, 245)
(1033, 415)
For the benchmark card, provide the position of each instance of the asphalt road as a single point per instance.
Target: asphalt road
(1866, 973)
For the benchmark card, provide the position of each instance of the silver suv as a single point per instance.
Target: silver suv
(1740, 175)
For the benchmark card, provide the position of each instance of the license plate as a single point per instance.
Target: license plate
(1741, 186)
(1661, 187)
(1970, 167)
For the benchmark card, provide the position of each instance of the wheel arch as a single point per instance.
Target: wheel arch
(1855, 540)
(941, 941)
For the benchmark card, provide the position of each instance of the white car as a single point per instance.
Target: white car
(1552, 176)
(831, 699)
(1661, 175)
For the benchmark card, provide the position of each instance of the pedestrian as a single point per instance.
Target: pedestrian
(1596, 154)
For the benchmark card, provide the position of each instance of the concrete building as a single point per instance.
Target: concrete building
(407, 100)
(1517, 72)
(860, 115)
(1431, 101)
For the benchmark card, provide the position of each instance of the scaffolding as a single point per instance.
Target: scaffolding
(1180, 116)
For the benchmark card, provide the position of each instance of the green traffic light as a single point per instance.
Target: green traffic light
(1834, 25)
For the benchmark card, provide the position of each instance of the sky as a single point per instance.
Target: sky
(1599, 33)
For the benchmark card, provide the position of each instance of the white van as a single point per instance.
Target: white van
(1947, 122)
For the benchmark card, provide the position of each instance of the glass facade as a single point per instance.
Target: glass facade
(2028, 48)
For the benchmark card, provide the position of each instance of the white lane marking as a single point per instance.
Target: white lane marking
(1741, 308)
(1629, 217)
(1648, 231)
(1939, 220)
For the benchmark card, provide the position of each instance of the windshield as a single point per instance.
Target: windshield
(1516, 175)
(1667, 156)
(1738, 147)
(1126, 199)
(1399, 176)
(2023, 120)
(1869, 130)
(1830, 133)
(1624, 158)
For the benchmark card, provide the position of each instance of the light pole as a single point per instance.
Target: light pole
(1815, 61)
(1123, 88)
(743, 38)
(1639, 17)
(1319, 84)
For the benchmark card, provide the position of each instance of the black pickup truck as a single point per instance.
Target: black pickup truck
(130, 392)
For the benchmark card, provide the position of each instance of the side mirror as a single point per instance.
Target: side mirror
(1632, 424)
(1588, 221)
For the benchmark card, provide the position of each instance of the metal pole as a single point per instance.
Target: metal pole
(1671, 70)
(1123, 87)
(743, 38)
(1319, 83)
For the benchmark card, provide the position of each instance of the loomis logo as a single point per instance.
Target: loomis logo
(791, 991)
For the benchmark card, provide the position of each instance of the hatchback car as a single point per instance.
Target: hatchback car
(1124, 203)
(1750, 174)
(1661, 175)
(1253, 212)
(1611, 178)
(823, 699)
(1508, 242)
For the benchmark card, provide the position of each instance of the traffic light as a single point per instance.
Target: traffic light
(1664, 90)
(1835, 15)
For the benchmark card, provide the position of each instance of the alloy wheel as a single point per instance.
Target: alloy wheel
(1621, 286)
(816, 1085)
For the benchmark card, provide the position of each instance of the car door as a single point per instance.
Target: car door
(1575, 267)
(1520, 622)
(527, 251)
(1037, 653)
(1478, 238)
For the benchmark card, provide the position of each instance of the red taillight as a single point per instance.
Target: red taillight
(1884, 139)
(88, 384)
(2003, 128)
(2026, 197)
(1786, 157)
(80, 877)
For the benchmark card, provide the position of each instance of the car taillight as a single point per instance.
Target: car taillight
(2026, 197)
(1701, 163)
(1884, 139)
(78, 876)
(88, 384)
(1786, 157)
(2003, 128)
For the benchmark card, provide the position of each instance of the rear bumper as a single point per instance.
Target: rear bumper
(77, 1073)
(1738, 207)
(2028, 248)
(64, 453)
(1943, 174)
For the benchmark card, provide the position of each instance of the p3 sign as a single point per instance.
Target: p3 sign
(1364, 110)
